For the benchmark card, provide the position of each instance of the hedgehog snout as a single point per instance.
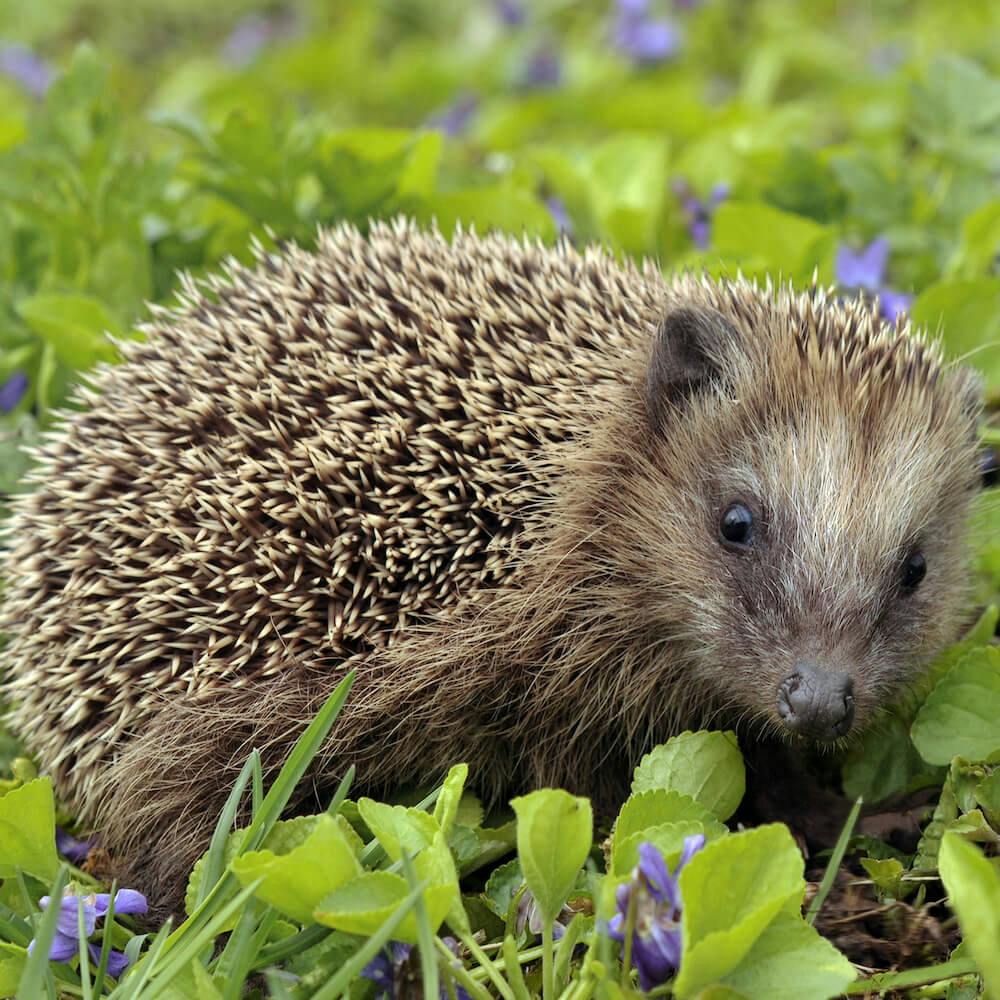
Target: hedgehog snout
(817, 702)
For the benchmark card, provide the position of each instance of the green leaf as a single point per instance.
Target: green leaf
(28, 831)
(707, 766)
(398, 828)
(362, 905)
(967, 312)
(554, 833)
(961, 716)
(887, 874)
(790, 961)
(973, 886)
(625, 182)
(446, 807)
(668, 837)
(884, 762)
(763, 238)
(75, 325)
(732, 890)
(295, 882)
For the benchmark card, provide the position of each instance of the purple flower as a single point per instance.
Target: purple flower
(654, 900)
(254, 33)
(642, 38)
(26, 68)
(70, 848)
(529, 916)
(66, 943)
(12, 391)
(511, 12)
(557, 209)
(455, 119)
(388, 974)
(864, 270)
(699, 211)
(544, 69)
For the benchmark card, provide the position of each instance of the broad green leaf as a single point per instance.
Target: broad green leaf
(961, 716)
(656, 807)
(625, 183)
(967, 313)
(887, 874)
(446, 807)
(973, 886)
(708, 766)
(28, 831)
(362, 905)
(12, 960)
(988, 796)
(731, 891)
(295, 882)
(398, 828)
(668, 837)
(75, 325)
(884, 762)
(790, 961)
(554, 833)
(761, 237)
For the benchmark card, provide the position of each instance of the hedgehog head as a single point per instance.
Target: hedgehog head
(797, 504)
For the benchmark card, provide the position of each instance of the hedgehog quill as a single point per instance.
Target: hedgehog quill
(553, 507)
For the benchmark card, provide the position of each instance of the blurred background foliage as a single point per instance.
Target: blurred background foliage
(859, 140)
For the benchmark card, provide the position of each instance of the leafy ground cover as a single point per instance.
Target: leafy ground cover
(859, 142)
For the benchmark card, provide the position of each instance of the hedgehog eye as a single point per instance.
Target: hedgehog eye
(736, 526)
(914, 570)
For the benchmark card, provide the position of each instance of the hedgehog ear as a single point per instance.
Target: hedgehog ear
(688, 353)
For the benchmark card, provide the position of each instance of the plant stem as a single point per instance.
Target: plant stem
(548, 970)
(491, 969)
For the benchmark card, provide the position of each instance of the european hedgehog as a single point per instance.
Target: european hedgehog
(552, 507)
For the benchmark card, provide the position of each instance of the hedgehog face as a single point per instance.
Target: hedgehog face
(828, 502)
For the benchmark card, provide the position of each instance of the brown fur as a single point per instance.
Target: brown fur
(438, 463)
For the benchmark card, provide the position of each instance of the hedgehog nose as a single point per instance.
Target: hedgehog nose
(816, 702)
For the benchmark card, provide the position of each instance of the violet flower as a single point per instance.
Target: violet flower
(72, 849)
(699, 211)
(66, 943)
(864, 270)
(511, 12)
(529, 917)
(557, 209)
(26, 68)
(387, 971)
(455, 119)
(644, 39)
(544, 69)
(654, 897)
(12, 391)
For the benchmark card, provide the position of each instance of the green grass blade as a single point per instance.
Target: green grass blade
(342, 791)
(138, 974)
(834, 864)
(275, 953)
(295, 767)
(181, 955)
(351, 969)
(515, 974)
(234, 962)
(276, 987)
(425, 936)
(215, 857)
(36, 980)
(81, 940)
(102, 965)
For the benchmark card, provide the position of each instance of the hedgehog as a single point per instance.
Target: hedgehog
(551, 506)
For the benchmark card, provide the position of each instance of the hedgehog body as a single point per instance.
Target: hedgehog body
(552, 507)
